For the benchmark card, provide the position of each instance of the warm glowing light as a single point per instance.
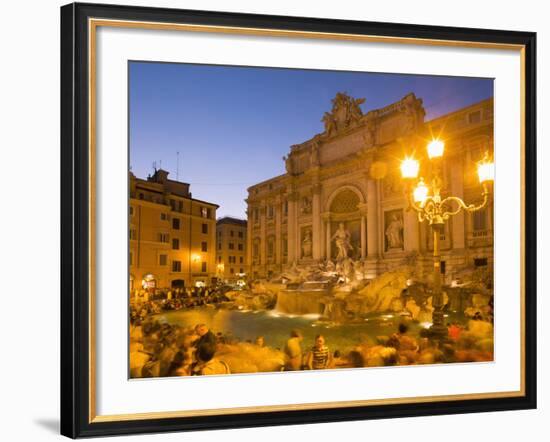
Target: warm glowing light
(421, 192)
(436, 148)
(195, 257)
(409, 168)
(486, 170)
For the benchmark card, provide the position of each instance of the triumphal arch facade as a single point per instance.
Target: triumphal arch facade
(342, 195)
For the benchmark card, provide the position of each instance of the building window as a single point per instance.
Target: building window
(231, 246)
(270, 211)
(175, 243)
(203, 267)
(219, 259)
(240, 234)
(285, 208)
(479, 222)
(480, 262)
(205, 212)
(173, 205)
(231, 233)
(240, 260)
(474, 117)
(240, 247)
(175, 223)
(163, 260)
(141, 196)
(231, 270)
(163, 216)
(443, 267)
(204, 228)
(131, 211)
(270, 247)
(130, 258)
(176, 266)
(285, 247)
(256, 213)
(163, 237)
(204, 246)
(180, 206)
(133, 234)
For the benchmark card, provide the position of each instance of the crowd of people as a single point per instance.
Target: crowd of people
(160, 349)
(145, 303)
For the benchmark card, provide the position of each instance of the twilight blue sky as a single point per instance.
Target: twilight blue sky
(232, 125)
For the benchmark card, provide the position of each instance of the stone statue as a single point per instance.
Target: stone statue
(342, 240)
(330, 123)
(306, 245)
(414, 112)
(314, 155)
(369, 136)
(394, 232)
(288, 164)
(346, 112)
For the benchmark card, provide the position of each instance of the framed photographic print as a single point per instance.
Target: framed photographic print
(279, 220)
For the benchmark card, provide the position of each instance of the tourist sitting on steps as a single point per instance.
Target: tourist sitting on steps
(293, 351)
(207, 364)
(319, 357)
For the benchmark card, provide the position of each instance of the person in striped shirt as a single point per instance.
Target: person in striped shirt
(319, 357)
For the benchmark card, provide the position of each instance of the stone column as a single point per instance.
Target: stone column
(456, 178)
(263, 236)
(411, 231)
(316, 217)
(328, 236)
(292, 233)
(278, 219)
(249, 235)
(373, 248)
(363, 237)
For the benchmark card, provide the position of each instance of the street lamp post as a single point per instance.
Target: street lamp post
(427, 202)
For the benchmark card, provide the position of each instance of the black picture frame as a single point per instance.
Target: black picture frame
(75, 219)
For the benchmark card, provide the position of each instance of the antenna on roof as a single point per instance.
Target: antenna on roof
(177, 166)
(155, 165)
(160, 164)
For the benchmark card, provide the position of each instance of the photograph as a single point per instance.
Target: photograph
(299, 219)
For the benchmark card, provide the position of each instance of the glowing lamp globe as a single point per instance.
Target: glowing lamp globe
(409, 168)
(420, 193)
(435, 149)
(486, 171)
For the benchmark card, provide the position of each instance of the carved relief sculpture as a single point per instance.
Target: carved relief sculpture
(306, 205)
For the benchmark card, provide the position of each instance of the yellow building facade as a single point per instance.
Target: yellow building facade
(172, 235)
(346, 180)
(231, 252)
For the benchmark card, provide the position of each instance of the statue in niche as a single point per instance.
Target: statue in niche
(342, 240)
(394, 232)
(306, 244)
